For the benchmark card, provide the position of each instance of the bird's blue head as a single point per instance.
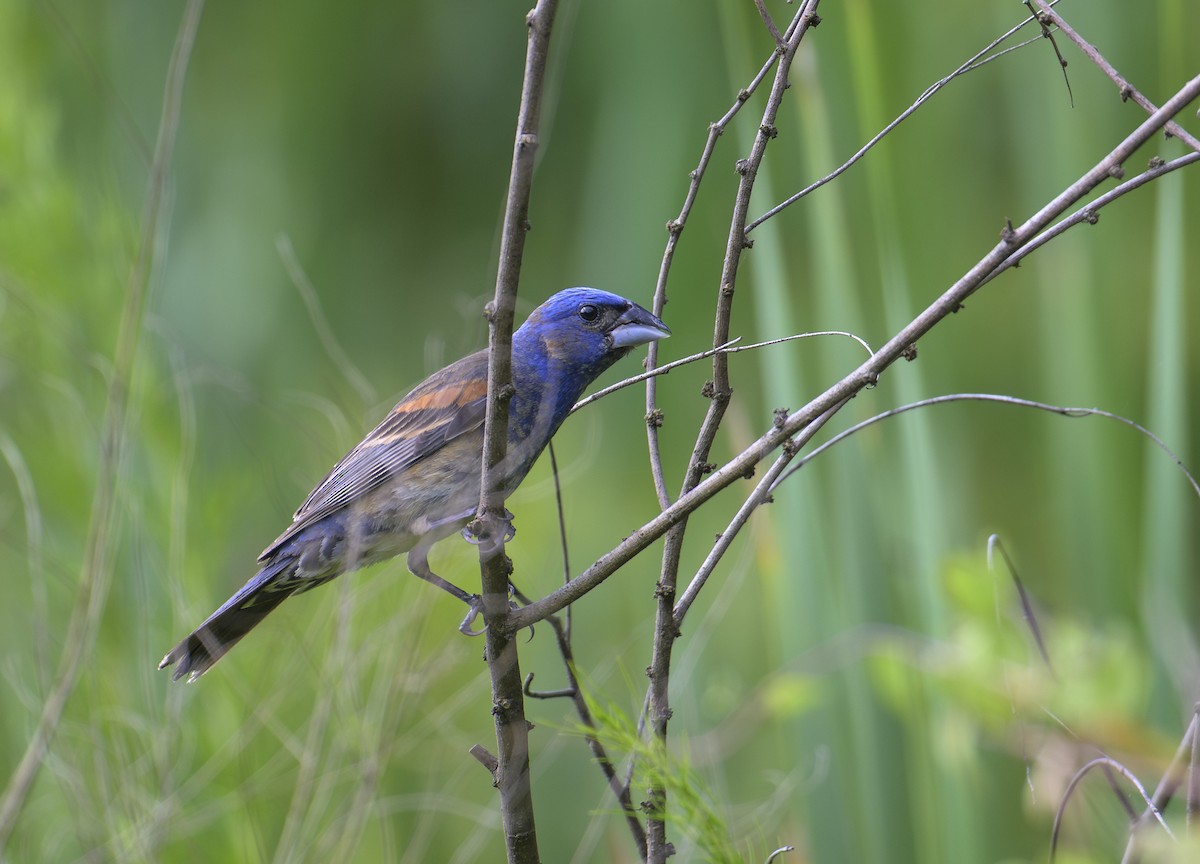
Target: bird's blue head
(568, 341)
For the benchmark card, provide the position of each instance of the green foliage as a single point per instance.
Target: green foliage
(691, 807)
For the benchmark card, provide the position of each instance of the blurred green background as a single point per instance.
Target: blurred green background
(853, 683)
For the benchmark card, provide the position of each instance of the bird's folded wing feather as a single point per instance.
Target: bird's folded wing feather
(446, 405)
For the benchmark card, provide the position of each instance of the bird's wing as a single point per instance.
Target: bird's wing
(446, 405)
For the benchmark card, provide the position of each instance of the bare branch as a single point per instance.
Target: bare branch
(508, 706)
(977, 60)
(1089, 213)
(780, 44)
(730, 347)
(665, 631)
(1128, 91)
(1062, 61)
(867, 374)
(1065, 411)
(674, 231)
(761, 495)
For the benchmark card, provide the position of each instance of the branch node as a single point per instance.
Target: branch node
(674, 226)
(1008, 234)
(1116, 172)
(771, 132)
(790, 447)
(708, 390)
(814, 20)
(742, 167)
(779, 417)
(1155, 163)
(661, 590)
(654, 419)
(488, 761)
(1126, 93)
(1091, 216)
(527, 140)
(748, 474)
(910, 352)
(742, 96)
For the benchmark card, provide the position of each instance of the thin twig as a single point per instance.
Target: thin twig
(977, 60)
(730, 347)
(1062, 61)
(587, 720)
(674, 231)
(780, 44)
(562, 535)
(1090, 212)
(1064, 410)
(761, 495)
(665, 631)
(1127, 90)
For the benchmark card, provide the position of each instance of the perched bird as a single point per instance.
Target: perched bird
(415, 478)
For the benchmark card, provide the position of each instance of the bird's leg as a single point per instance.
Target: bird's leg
(510, 532)
(418, 565)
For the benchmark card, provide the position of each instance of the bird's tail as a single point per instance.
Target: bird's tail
(238, 616)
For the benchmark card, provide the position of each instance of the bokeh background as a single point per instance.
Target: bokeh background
(854, 682)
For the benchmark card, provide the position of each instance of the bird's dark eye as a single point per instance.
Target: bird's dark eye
(588, 312)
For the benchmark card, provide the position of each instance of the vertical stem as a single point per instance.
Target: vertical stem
(508, 706)
(719, 391)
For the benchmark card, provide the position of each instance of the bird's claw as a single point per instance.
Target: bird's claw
(475, 604)
(509, 530)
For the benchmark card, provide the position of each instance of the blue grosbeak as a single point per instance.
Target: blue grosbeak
(415, 478)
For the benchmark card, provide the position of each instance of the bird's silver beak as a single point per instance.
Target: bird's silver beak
(637, 327)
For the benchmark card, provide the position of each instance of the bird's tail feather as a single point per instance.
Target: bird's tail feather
(237, 616)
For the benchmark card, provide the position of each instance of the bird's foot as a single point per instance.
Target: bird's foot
(474, 539)
(475, 602)
(475, 606)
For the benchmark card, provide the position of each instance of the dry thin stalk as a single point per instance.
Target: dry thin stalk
(508, 706)
(665, 629)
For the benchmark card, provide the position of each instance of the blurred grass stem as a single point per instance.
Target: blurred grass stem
(96, 571)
